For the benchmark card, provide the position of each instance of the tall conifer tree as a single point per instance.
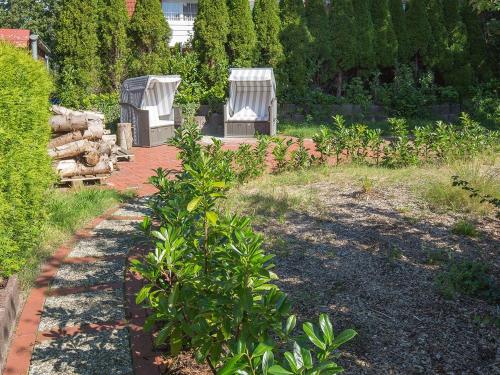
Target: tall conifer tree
(385, 41)
(242, 40)
(266, 17)
(318, 24)
(149, 35)
(399, 22)
(344, 43)
(296, 41)
(76, 51)
(437, 43)
(419, 29)
(365, 34)
(476, 43)
(211, 30)
(113, 22)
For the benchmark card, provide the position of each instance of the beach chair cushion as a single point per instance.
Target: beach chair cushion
(251, 103)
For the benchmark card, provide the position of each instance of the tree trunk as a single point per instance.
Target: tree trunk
(71, 149)
(339, 84)
(66, 120)
(94, 132)
(124, 136)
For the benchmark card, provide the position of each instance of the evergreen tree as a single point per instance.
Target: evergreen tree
(399, 23)
(113, 49)
(268, 27)
(296, 41)
(211, 29)
(476, 43)
(344, 43)
(365, 34)
(437, 43)
(318, 23)
(76, 51)
(419, 29)
(455, 66)
(149, 34)
(385, 40)
(242, 39)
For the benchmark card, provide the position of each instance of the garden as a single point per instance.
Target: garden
(363, 238)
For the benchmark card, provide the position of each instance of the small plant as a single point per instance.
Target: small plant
(474, 193)
(323, 143)
(401, 151)
(366, 185)
(465, 228)
(375, 142)
(250, 162)
(280, 153)
(300, 157)
(339, 137)
(437, 256)
(468, 278)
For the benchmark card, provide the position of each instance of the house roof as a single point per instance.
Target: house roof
(18, 37)
(130, 6)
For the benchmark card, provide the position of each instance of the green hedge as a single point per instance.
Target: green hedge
(25, 170)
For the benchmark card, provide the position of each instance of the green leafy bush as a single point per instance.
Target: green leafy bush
(210, 283)
(469, 278)
(25, 169)
(109, 104)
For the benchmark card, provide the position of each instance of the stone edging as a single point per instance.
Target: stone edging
(9, 308)
(145, 359)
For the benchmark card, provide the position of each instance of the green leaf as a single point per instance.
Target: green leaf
(163, 335)
(297, 354)
(308, 361)
(267, 361)
(143, 293)
(175, 342)
(291, 361)
(278, 370)
(172, 298)
(344, 336)
(261, 349)
(290, 324)
(326, 327)
(193, 204)
(219, 184)
(330, 368)
(309, 331)
(211, 217)
(230, 366)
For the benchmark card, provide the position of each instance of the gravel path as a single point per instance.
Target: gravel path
(91, 312)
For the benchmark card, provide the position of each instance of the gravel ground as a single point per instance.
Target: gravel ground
(364, 259)
(137, 207)
(87, 274)
(98, 353)
(82, 308)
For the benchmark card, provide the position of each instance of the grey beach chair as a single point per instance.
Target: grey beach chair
(252, 106)
(147, 103)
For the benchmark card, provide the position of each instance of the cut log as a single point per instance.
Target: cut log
(111, 139)
(71, 168)
(61, 123)
(71, 149)
(124, 136)
(91, 158)
(95, 131)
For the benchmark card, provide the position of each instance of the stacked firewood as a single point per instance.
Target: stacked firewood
(80, 145)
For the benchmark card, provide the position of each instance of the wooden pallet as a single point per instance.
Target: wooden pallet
(123, 156)
(84, 180)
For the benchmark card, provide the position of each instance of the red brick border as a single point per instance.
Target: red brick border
(26, 335)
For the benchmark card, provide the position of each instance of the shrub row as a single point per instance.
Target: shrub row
(25, 169)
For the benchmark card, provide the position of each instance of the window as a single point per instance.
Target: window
(179, 10)
(190, 11)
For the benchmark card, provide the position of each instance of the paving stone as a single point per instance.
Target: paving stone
(82, 308)
(87, 274)
(96, 353)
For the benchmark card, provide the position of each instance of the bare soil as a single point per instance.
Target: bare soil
(364, 259)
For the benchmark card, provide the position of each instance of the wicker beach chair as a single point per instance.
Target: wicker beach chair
(252, 106)
(147, 103)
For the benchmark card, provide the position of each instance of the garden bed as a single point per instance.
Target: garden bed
(368, 255)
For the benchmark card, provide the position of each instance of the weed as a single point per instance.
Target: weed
(465, 228)
(367, 185)
(437, 256)
(469, 278)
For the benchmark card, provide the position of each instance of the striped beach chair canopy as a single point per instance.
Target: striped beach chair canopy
(154, 93)
(251, 92)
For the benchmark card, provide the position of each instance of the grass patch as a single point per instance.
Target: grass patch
(465, 228)
(68, 212)
(468, 278)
